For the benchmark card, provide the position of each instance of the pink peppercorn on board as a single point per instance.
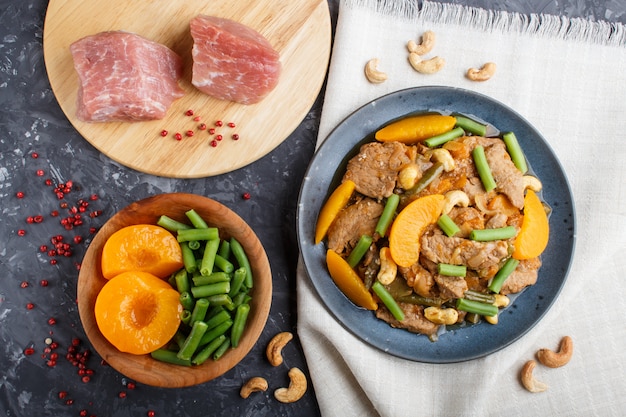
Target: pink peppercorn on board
(200, 136)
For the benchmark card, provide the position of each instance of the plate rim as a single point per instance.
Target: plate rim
(382, 344)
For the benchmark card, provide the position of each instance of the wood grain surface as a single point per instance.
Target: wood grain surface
(143, 368)
(300, 31)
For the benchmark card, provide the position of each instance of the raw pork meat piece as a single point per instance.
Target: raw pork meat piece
(125, 77)
(232, 61)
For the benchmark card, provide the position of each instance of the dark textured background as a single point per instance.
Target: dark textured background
(32, 122)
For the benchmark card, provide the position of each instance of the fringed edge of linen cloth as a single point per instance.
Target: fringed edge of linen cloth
(542, 25)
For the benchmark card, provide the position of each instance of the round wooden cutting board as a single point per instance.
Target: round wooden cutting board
(299, 30)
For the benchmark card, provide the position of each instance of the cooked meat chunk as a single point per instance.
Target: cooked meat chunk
(420, 279)
(524, 275)
(468, 219)
(414, 320)
(483, 257)
(375, 169)
(508, 178)
(451, 287)
(351, 223)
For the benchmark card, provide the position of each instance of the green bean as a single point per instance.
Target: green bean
(476, 307)
(179, 338)
(479, 296)
(515, 151)
(237, 281)
(388, 301)
(444, 137)
(484, 172)
(502, 274)
(451, 270)
(217, 331)
(223, 263)
(185, 316)
(192, 341)
(359, 250)
(418, 299)
(430, 175)
(214, 311)
(242, 260)
(221, 300)
(241, 316)
(388, 214)
(471, 126)
(210, 289)
(210, 279)
(194, 244)
(241, 298)
(224, 250)
(208, 258)
(449, 227)
(217, 319)
(171, 224)
(187, 235)
(197, 221)
(186, 300)
(486, 235)
(222, 349)
(204, 354)
(199, 311)
(189, 259)
(169, 356)
(182, 281)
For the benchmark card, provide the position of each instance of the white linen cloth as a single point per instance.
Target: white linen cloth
(567, 77)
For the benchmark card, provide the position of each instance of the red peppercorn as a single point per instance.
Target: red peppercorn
(78, 239)
(30, 306)
(214, 143)
(189, 112)
(189, 133)
(202, 126)
(131, 385)
(19, 194)
(151, 413)
(62, 394)
(53, 262)
(24, 284)
(178, 136)
(94, 197)
(235, 136)
(38, 218)
(21, 232)
(48, 182)
(231, 124)
(86, 379)
(83, 413)
(30, 220)
(29, 351)
(69, 402)
(52, 321)
(34, 155)
(40, 173)
(219, 123)
(197, 119)
(246, 196)
(219, 137)
(164, 133)
(122, 394)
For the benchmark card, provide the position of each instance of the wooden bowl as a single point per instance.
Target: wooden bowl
(142, 368)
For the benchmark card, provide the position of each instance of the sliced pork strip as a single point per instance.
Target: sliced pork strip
(232, 61)
(375, 169)
(524, 275)
(351, 223)
(414, 320)
(125, 77)
(508, 178)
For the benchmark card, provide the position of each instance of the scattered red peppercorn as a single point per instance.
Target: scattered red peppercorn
(30, 306)
(131, 385)
(178, 136)
(164, 133)
(62, 395)
(219, 123)
(21, 232)
(34, 155)
(52, 321)
(212, 131)
(29, 351)
(151, 413)
(38, 218)
(122, 394)
(69, 402)
(24, 284)
(19, 194)
(43, 282)
(83, 413)
(246, 196)
(189, 112)
(214, 143)
(231, 124)
(197, 119)
(189, 133)
(86, 379)
(202, 126)
(40, 172)
(48, 182)
(235, 136)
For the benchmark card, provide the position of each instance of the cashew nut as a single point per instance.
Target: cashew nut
(254, 384)
(440, 315)
(491, 319)
(296, 389)
(426, 66)
(553, 359)
(408, 176)
(529, 381)
(372, 73)
(275, 347)
(444, 156)
(482, 74)
(501, 301)
(454, 198)
(532, 183)
(388, 268)
(425, 46)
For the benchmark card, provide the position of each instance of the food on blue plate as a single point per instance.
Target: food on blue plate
(124, 77)
(232, 61)
(440, 230)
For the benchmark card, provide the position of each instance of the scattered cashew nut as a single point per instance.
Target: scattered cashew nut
(553, 359)
(482, 74)
(372, 73)
(445, 157)
(440, 315)
(407, 177)
(532, 183)
(454, 198)
(388, 268)
(426, 66)
(254, 384)
(296, 389)
(529, 381)
(275, 347)
(425, 46)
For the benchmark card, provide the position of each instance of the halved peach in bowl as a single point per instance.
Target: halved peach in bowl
(134, 309)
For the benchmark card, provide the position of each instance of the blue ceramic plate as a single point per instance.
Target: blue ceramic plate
(461, 343)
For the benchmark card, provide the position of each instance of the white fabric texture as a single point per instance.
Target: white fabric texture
(568, 79)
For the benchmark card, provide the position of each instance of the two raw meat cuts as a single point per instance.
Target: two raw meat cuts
(232, 61)
(125, 77)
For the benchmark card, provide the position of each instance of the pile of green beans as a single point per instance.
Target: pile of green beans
(214, 287)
